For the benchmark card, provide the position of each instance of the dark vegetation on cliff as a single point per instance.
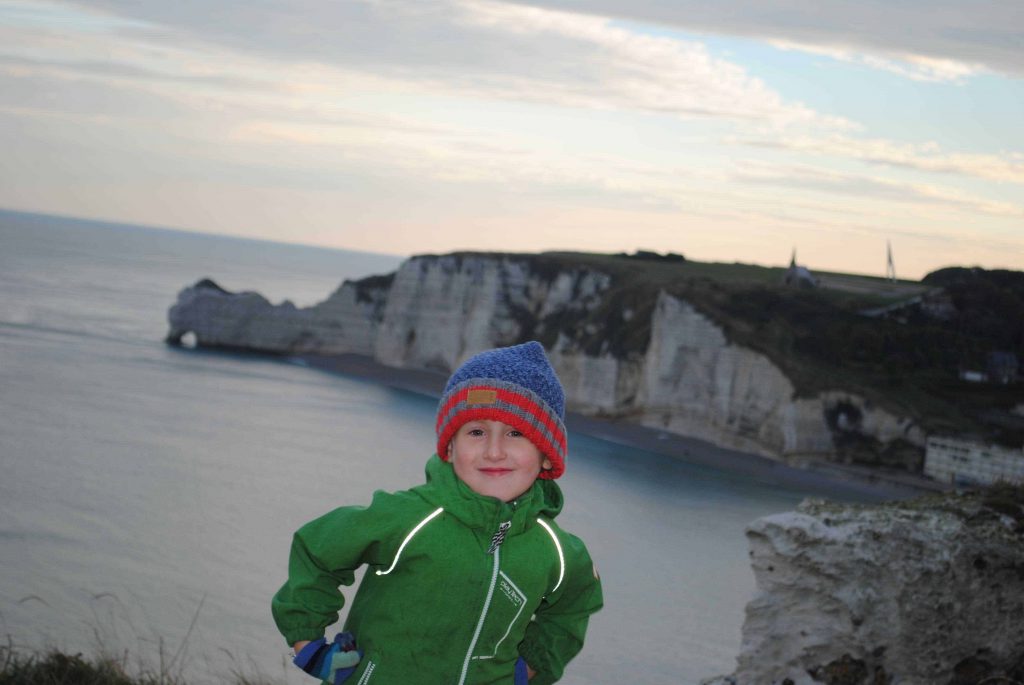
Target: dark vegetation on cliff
(366, 286)
(906, 355)
(61, 668)
(901, 345)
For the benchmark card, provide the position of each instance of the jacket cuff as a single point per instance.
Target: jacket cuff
(294, 635)
(539, 660)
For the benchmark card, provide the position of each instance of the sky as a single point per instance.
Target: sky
(733, 131)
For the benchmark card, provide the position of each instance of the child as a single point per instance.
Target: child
(469, 579)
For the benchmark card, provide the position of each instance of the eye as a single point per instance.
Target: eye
(515, 434)
(475, 432)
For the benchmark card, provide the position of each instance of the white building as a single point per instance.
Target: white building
(965, 462)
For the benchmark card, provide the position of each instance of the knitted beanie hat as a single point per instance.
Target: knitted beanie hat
(515, 385)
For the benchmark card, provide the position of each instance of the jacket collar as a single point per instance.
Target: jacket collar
(444, 489)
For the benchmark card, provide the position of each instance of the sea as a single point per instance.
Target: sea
(148, 493)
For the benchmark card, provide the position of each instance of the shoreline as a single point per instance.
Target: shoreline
(822, 479)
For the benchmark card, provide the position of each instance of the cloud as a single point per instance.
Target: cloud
(484, 49)
(461, 157)
(80, 121)
(111, 71)
(983, 32)
(417, 113)
(928, 157)
(875, 189)
(914, 67)
(51, 93)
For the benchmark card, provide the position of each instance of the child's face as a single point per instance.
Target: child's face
(495, 459)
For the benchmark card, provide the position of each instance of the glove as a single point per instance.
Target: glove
(522, 676)
(332, 662)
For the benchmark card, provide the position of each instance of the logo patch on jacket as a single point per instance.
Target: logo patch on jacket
(511, 592)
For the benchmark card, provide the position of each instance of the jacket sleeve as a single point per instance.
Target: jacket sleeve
(324, 555)
(556, 633)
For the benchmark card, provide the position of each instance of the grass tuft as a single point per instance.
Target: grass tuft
(57, 668)
(19, 667)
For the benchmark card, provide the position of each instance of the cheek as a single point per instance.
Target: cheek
(534, 458)
(458, 464)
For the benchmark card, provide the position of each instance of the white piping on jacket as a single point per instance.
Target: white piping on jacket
(406, 541)
(561, 557)
(522, 605)
(367, 673)
(483, 615)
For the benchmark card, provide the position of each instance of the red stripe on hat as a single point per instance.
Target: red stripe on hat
(544, 417)
(520, 400)
(512, 419)
(507, 417)
(454, 399)
(538, 415)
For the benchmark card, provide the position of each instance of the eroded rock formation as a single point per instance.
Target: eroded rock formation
(928, 592)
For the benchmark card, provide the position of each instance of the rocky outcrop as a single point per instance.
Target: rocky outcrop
(659, 362)
(344, 323)
(928, 592)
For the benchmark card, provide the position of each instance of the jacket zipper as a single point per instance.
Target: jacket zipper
(499, 537)
(483, 615)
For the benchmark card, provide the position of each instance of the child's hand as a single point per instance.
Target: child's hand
(332, 662)
(523, 672)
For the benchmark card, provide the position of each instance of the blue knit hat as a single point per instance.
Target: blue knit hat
(515, 385)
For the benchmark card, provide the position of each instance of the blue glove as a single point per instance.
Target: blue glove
(522, 676)
(332, 662)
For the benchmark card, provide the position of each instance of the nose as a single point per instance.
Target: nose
(494, 447)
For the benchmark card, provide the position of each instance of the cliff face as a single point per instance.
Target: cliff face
(696, 383)
(929, 592)
(659, 362)
(440, 310)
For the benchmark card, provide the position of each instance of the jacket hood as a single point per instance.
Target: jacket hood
(444, 489)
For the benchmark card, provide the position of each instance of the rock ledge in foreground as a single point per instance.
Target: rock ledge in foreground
(927, 592)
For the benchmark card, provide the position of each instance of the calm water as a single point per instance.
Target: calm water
(148, 495)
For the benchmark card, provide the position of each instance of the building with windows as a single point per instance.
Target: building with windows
(966, 462)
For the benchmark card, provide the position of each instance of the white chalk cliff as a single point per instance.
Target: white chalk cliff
(437, 310)
(929, 592)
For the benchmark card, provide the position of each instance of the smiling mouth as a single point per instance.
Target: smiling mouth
(495, 472)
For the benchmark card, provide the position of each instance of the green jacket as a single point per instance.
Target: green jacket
(435, 606)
